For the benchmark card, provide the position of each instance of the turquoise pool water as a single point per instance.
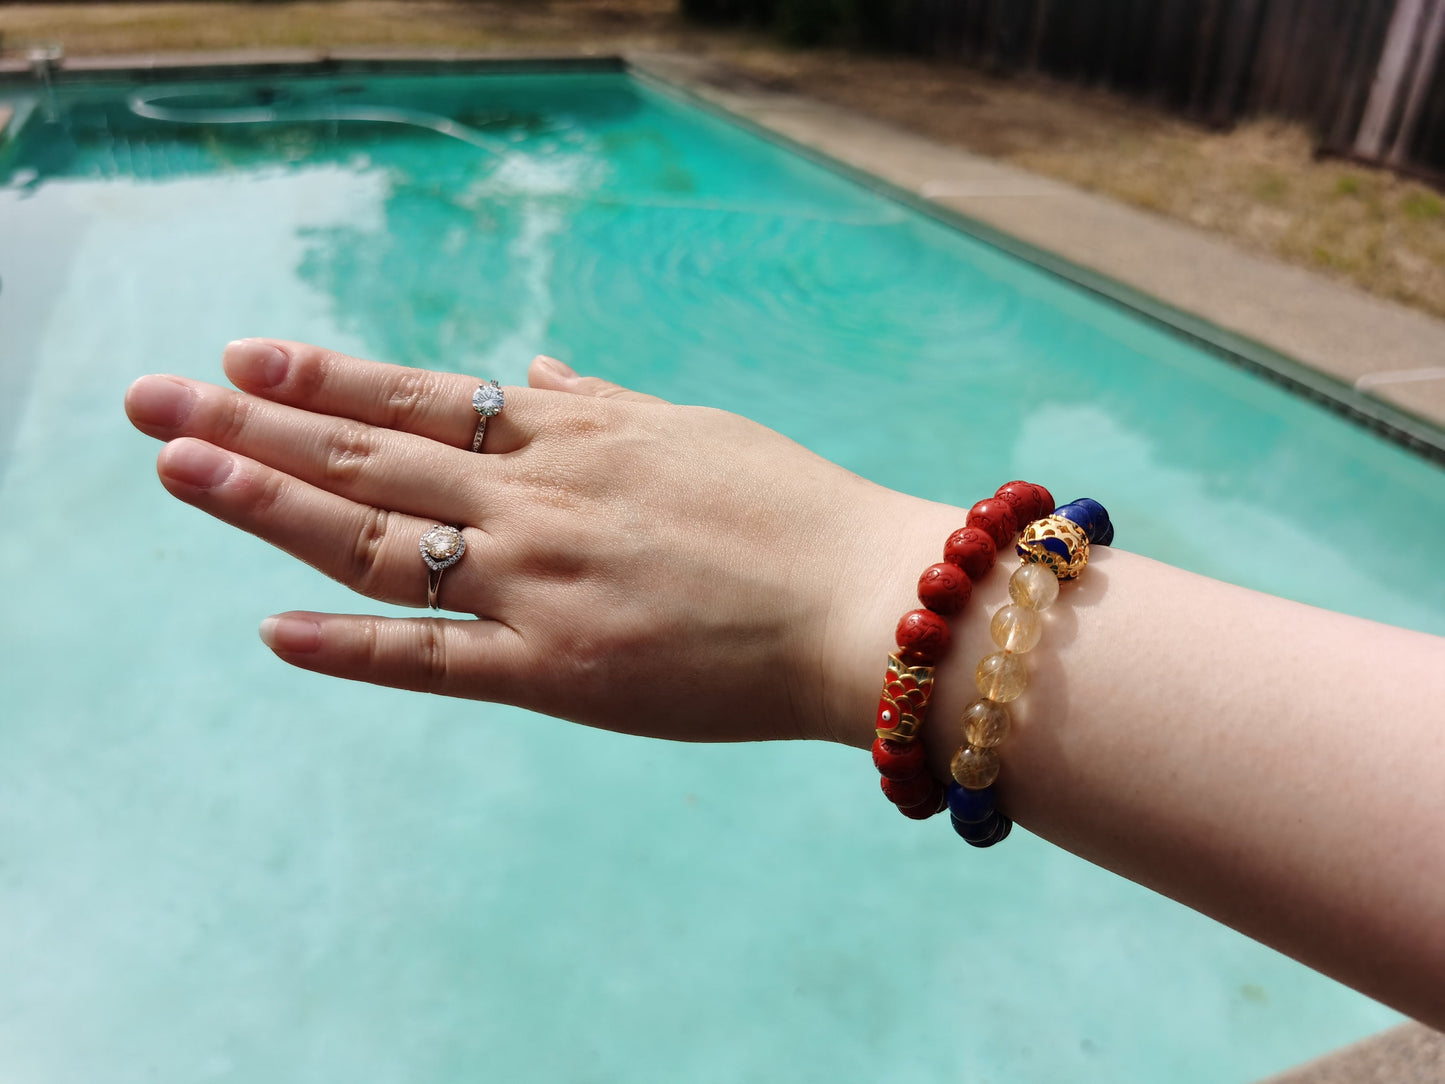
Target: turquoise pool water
(213, 867)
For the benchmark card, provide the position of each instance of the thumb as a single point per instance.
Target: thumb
(553, 375)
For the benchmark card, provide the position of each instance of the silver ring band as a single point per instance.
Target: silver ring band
(488, 402)
(441, 547)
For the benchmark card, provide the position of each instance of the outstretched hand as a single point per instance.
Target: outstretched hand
(664, 570)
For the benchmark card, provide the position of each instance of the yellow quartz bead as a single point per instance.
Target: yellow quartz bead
(1001, 677)
(1016, 628)
(1033, 586)
(974, 768)
(985, 723)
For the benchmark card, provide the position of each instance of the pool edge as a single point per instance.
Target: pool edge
(1401, 427)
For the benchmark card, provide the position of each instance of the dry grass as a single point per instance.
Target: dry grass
(1259, 185)
(165, 27)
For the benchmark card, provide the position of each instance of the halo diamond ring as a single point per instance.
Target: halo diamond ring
(441, 547)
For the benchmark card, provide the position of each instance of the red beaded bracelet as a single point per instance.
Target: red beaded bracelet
(923, 638)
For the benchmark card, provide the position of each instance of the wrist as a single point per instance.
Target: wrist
(886, 566)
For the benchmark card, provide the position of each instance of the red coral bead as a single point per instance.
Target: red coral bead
(1039, 500)
(897, 760)
(908, 792)
(923, 637)
(934, 803)
(944, 588)
(1046, 502)
(971, 550)
(995, 517)
(1023, 498)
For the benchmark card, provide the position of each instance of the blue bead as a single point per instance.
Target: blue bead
(999, 834)
(969, 806)
(980, 831)
(1092, 517)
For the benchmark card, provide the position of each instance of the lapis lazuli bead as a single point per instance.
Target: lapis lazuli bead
(969, 806)
(979, 831)
(1092, 517)
(998, 835)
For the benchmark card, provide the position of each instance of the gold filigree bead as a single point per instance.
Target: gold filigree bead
(974, 768)
(1033, 586)
(985, 723)
(1001, 676)
(1059, 544)
(1016, 628)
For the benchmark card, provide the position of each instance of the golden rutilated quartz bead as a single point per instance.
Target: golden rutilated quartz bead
(1059, 544)
(985, 723)
(1016, 628)
(1033, 586)
(1002, 676)
(974, 768)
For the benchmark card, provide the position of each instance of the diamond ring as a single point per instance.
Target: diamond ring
(488, 402)
(441, 547)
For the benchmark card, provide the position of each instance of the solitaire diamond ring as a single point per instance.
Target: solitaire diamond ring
(488, 402)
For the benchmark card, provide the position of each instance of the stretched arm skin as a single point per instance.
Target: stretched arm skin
(1277, 767)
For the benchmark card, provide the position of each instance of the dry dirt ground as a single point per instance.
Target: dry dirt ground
(1258, 184)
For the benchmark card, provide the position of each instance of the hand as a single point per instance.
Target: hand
(664, 570)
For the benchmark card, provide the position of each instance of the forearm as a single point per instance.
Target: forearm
(1278, 767)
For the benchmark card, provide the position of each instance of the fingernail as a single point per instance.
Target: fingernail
(156, 400)
(197, 464)
(256, 362)
(288, 634)
(560, 368)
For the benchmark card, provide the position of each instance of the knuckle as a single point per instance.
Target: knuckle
(311, 367)
(265, 492)
(369, 645)
(582, 420)
(233, 418)
(350, 447)
(431, 650)
(408, 397)
(366, 552)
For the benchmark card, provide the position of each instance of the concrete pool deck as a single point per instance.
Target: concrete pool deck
(1359, 347)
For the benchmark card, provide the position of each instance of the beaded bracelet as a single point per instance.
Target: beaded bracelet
(1054, 549)
(923, 638)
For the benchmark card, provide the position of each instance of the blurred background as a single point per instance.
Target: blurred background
(1309, 130)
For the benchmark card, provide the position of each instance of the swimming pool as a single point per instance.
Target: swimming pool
(212, 866)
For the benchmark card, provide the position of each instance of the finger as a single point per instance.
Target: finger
(549, 374)
(371, 550)
(365, 463)
(483, 660)
(430, 404)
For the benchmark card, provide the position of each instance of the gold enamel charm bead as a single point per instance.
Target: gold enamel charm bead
(1059, 544)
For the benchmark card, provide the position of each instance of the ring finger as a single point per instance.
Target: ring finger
(371, 550)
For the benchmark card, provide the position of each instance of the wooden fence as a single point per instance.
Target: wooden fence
(1367, 75)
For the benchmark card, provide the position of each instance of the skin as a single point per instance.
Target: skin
(1272, 765)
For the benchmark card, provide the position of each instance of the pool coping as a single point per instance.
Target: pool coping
(1407, 1054)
